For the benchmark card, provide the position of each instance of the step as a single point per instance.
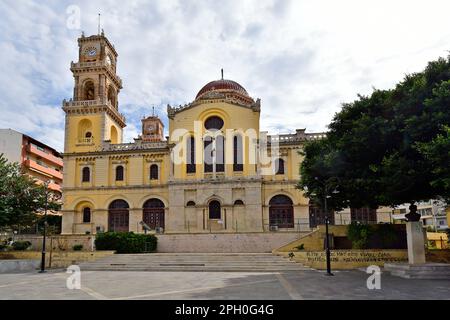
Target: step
(194, 262)
(422, 271)
(189, 269)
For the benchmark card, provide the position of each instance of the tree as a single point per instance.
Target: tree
(437, 151)
(385, 149)
(20, 196)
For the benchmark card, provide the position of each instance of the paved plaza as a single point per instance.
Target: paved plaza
(307, 284)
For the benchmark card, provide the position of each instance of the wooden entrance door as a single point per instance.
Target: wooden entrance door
(154, 213)
(118, 220)
(118, 216)
(281, 212)
(154, 217)
(214, 210)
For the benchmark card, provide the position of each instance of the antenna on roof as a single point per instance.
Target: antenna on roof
(153, 111)
(99, 24)
(222, 72)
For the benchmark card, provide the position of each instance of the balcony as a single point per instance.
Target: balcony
(68, 104)
(44, 155)
(134, 146)
(95, 64)
(33, 165)
(54, 187)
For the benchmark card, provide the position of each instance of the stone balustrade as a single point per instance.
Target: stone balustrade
(91, 103)
(134, 146)
(95, 64)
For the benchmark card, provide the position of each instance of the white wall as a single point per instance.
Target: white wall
(11, 144)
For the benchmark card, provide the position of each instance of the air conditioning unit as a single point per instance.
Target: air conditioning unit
(273, 228)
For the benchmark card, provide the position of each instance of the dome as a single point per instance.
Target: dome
(222, 85)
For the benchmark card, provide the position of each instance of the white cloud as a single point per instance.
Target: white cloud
(302, 58)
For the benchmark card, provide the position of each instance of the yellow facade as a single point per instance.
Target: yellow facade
(162, 184)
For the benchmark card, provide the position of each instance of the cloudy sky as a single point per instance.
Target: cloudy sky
(302, 58)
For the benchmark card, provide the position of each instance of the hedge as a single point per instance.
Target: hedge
(21, 245)
(126, 242)
(377, 236)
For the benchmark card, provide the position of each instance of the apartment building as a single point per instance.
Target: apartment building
(39, 160)
(433, 214)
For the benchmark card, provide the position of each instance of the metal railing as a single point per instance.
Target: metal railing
(287, 225)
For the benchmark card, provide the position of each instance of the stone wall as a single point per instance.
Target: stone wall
(59, 242)
(55, 259)
(314, 240)
(348, 259)
(222, 242)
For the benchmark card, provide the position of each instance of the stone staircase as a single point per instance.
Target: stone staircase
(439, 271)
(207, 262)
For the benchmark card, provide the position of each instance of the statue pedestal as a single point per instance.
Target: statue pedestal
(416, 242)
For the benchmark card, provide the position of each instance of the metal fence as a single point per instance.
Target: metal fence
(281, 225)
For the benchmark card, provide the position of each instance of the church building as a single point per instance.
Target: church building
(214, 172)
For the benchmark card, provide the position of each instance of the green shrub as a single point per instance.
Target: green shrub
(21, 245)
(359, 235)
(77, 247)
(126, 242)
(376, 236)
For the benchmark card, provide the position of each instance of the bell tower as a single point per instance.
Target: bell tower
(92, 115)
(152, 129)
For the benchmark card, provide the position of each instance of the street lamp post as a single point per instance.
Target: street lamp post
(327, 240)
(45, 230)
(327, 222)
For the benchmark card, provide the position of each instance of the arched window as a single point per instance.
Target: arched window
(190, 150)
(214, 209)
(84, 130)
(119, 173)
(114, 136)
(154, 203)
(208, 154)
(279, 166)
(214, 123)
(239, 203)
(190, 204)
(112, 96)
(220, 153)
(238, 163)
(86, 174)
(154, 172)
(86, 215)
(89, 91)
(214, 153)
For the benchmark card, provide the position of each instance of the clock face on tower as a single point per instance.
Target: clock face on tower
(90, 51)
